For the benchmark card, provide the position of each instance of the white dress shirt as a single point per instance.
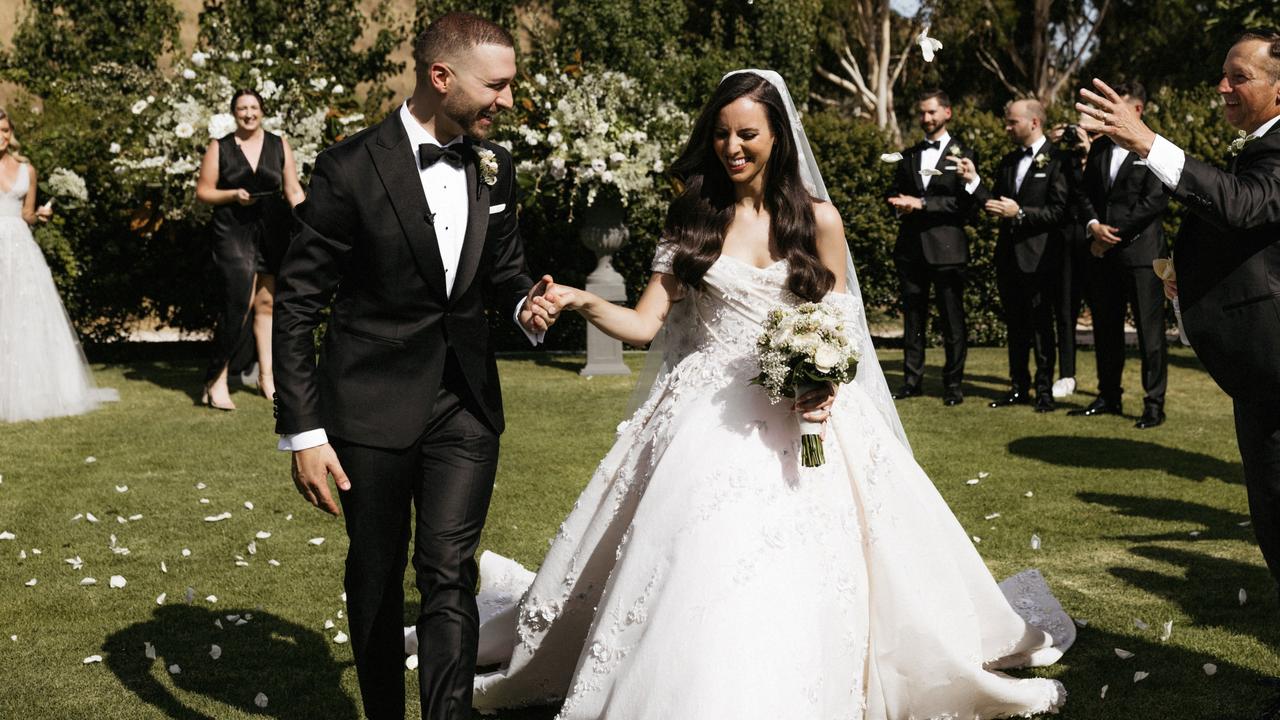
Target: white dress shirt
(1024, 163)
(1118, 154)
(445, 188)
(1166, 160)
(929, 158)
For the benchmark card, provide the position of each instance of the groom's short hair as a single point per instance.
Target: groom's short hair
(1271, 36)
(453, 34)
(938, 94)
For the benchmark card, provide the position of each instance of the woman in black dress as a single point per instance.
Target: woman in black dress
(250, 178)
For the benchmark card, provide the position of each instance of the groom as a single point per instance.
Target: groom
(410, 224)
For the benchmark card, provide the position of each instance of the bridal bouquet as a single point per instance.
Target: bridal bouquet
(802, 348)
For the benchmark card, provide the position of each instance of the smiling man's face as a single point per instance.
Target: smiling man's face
(1250, 85)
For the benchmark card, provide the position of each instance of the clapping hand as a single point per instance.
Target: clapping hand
(1002, 207)
(1110, 115)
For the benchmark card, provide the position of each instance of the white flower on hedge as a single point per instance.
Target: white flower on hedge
(151, 99)
(184, 130)
(183, 166)
(319, 83)
(221, 124)
(606, 177)
(270, 62)
(552, 122)
(599, 165)
(274, 124)
(658, 165)
(198, 58)
(115, 148)
(616, 159)
(246, 54)
(189, 74)
(269, 89)
(267, 49)
(65, 183)
(349, 119)
(540, 79)
(233, 56)
(139, 106)
(338, 89)
(554, 138)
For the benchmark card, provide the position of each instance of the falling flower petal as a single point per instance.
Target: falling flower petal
(161, 598)
(1210, 669)
(316, 541)
(1244, 596)
(174, 669)
(149, 651)
(892, 157)
(928, 45)
(1123, 654)
(92, 659)
(122, 488)
(1103, 695)
(1139, 624)
(118, 581)
(262, 535)
(260, 700)
(411, 662)
(1166, 631)
(218, 517)
(1140, 676)
(1035, 542)
(215, 652)
(88, 581)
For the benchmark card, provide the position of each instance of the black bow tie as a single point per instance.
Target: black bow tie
(429, 154)
(935, 144)
(1029, 151)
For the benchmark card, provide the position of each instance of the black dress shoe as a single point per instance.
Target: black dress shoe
(1044, 403)
(1152, 416)
(952, 399)
(1013, 398)
(1100, 406)
(907, 391)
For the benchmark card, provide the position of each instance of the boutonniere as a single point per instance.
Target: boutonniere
(488, 165)
(1041, 160)
(1237, 145)
(954, 150)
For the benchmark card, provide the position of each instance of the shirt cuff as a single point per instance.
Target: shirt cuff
(1091, 223)
(535, 339)
(973, 184)
(293, 442)
(1166, 160)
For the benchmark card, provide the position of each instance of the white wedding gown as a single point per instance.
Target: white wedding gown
(702, 574)
(43, 373)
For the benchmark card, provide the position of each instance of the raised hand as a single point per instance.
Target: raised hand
(967, 170)
(1109, 114)
(311, 470)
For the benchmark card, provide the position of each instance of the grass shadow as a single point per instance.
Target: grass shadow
(285, 661)
(1214, 523)
(1104, 453)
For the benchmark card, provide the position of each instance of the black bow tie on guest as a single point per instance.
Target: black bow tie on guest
(935, 144)
(429, 154)
(1029, 151)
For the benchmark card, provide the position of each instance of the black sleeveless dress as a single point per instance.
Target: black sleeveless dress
(247, 240)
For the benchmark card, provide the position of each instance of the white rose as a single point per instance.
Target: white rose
(115, 148)
(338, 89)
(221, 124)
(198, 58)
(554, 138)
(826, 358)
(139, 106)
(184, 130)
(269, 89)
(189, 74)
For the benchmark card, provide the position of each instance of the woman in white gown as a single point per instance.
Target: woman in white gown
(43, 373)
(702, 572)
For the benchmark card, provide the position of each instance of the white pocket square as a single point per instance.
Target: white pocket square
(1040, 175)
(494, 209)
(1139, 163)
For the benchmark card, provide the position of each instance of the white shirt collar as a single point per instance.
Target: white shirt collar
(942, 141)
(1262, 130)
(418, 134)
(1035, 146)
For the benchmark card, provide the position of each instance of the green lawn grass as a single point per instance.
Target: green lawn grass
(1115, 508)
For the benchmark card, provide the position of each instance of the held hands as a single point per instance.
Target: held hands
(1110, 115)
(906, 203)
(1002, 207)
(311, 470)
(538, 315)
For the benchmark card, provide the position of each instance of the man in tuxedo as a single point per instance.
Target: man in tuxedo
(1121, 204)
(1030, 197)
(411, 223)
(932, 249)
(1227, 254)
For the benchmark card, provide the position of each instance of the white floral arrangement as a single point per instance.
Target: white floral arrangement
(587, 131)
(64, 183)
(802, 348)
(176, 126)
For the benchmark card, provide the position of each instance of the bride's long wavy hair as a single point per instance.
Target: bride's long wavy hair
(15, 147)
(699, 217)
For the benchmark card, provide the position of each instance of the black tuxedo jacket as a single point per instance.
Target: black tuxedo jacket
(364, 240)
(1134, 203)
(934, 235)
(1037, 239)
(1227, 255)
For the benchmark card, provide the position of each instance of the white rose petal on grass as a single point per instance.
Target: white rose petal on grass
(122, 488)
(163, 568)
(32, 582)
(14, 638)
(1140, 676)
(211, 599)
(1081, 622)
(85, 582)
(411, 662)
(340, 638)
(261, 698)
(991, 516)
(77, 516)
(149, 650)
(22, 554)
(204, 501)
(253, 547)
(1166, 631)
(1035, 542)
(218, 518)
(1243, 524)
(892, 157)
(36, 551)
(273, 562)
(984, 475)
(92, 659)
(976, 539)
(262, 535)
(248, 505)
(1210, 669)
(186, 552)
(1194, 533)
(972, 481)
(1243, 596)
(201, 486)
(120, 519)
(174, 669)
(215, 652)
(1123, 654)
(1138, 623)
(118, 581)
(135, 517)
(76, 563)
(6, 535)
(90, 517)
(161, 598)
(1028, 494)
(328, 624)
(90, 460)
(316, 541)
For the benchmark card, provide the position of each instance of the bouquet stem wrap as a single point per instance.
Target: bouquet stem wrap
(811, 452)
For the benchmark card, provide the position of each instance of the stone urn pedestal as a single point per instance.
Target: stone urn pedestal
(603, 230)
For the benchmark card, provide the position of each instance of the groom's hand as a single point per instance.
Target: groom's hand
(538, 316)
(311, 470)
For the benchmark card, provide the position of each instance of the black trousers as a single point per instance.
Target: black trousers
(1068, 302)
(1258, 432)
(1027, 299)
(447, 478)
(914, 279)
(1112, 288)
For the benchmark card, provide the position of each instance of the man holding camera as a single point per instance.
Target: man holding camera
(1122, 204)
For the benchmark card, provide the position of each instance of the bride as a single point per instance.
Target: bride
(42, 370)
(703, 573)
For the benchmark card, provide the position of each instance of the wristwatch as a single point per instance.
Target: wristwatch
(1020, 216)
(924, 203)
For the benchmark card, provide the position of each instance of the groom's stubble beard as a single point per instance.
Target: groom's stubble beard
(467, 115)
